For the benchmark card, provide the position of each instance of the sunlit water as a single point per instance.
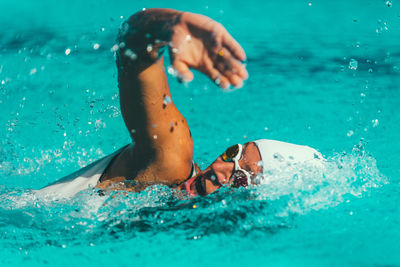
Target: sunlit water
(323, 75)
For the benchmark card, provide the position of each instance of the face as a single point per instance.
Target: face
(222, 172)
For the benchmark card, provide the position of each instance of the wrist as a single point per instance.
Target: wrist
(145, 33)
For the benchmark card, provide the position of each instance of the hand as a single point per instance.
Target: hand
(203, 44)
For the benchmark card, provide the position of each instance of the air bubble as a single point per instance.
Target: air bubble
(67, 51)
(96, 46)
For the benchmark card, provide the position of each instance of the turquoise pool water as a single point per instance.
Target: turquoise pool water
(322, 74)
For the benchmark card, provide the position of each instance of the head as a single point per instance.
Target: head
(237, 166)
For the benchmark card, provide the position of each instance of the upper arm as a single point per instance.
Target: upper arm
(162, 141)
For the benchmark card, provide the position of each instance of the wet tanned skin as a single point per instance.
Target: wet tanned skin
(219, 173)
(163, 148)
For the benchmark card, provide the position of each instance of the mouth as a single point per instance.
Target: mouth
(189, 186)
(200, 186)
(197, 185)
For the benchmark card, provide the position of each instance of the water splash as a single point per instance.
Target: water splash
(270, 207)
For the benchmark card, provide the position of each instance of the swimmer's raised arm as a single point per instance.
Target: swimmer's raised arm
(163, 147)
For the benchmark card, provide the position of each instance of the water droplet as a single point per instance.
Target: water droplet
(175, 50)
(155, 136)
(353, 64)
(167, 100)
(309, 4)
(370, 70)
(96, 46)
(382, 26)
(114, 48)
(350, 133)
(278, 157)
(129, 53)
(149, 48)
(122, 44)
(375, 123)
(389, 3)
(266, 129)
(260, 163)
(171, 70)
(188, 37)
(33, 71)
(67, 51)
(213, 177)
(133, 131)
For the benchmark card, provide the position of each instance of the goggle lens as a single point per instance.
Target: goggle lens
(230, 153)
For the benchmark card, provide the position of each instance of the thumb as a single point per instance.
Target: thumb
(183, 72)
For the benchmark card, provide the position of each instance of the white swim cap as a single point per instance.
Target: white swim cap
(277, 156)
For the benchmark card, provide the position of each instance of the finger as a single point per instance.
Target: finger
(215, 75)
(224, 82)
(233, 46)
(231, 68)
(183, 71)
(235, 80)
(239, 69)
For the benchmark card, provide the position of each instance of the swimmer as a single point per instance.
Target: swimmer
(162, 148)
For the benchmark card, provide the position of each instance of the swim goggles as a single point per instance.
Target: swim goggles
(239, 176)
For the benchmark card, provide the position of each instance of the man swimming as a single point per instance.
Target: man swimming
(162, 146)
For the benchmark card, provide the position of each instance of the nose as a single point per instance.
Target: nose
(222, 170)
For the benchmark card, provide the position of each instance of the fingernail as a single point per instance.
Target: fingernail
(239, 85)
